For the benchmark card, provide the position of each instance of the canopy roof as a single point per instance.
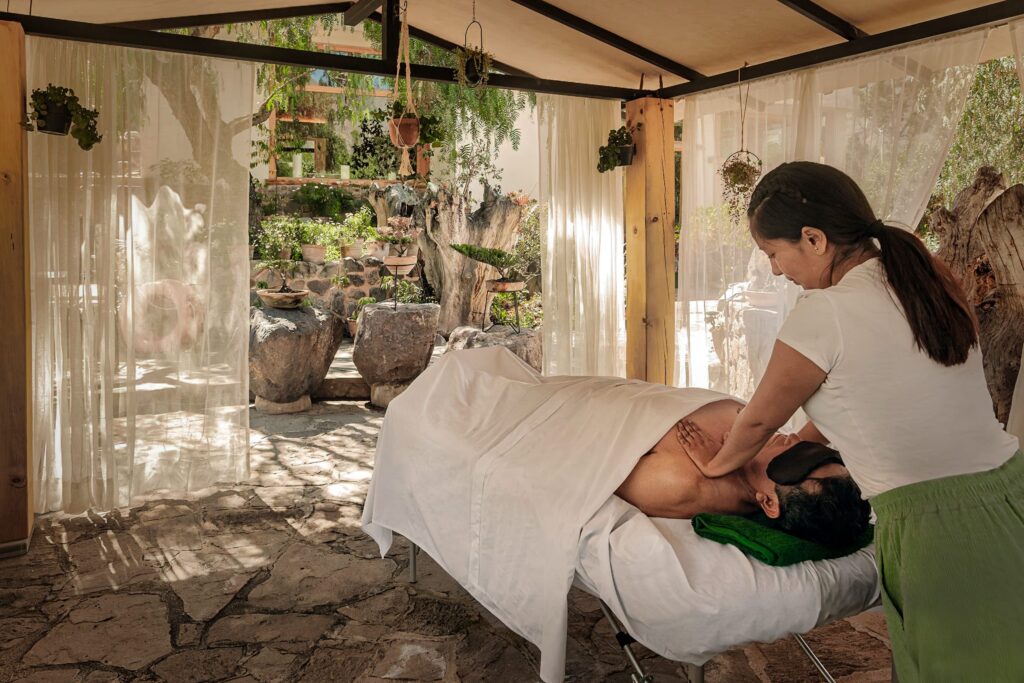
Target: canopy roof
(606, 43)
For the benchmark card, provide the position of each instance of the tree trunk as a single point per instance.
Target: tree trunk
(982, 241)
(460, 282)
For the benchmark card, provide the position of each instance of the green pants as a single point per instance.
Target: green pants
(950, 553)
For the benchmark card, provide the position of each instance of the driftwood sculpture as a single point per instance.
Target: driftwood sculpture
(459, 283)
(982, 241)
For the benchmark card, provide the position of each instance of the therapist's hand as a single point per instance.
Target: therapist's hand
(696, 443)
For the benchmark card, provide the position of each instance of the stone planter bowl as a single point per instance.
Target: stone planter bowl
(314, 253)
(400, 265)
(505, 286)
(282, 299)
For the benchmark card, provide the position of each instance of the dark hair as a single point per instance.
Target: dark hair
(803, 193)
(835, 516)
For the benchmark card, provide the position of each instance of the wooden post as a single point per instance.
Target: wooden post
(650, 254)
(320, 155)
(16, 517)
(272, 142)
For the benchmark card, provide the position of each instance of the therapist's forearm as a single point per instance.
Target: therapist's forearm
(747, 437)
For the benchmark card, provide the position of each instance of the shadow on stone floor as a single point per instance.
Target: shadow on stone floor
(272, 580)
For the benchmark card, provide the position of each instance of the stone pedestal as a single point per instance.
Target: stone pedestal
(290, 352)
(272, 408)
(393, 346)
(528, 344)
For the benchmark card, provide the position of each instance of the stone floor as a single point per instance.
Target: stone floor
(271, 580)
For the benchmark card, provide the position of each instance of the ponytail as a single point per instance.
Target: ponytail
(803, 193)
(934, 304)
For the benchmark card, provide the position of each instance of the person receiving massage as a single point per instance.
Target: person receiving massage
(804, 487)
(881, 351)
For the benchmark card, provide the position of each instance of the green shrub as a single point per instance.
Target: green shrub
(407, 292)
(328, 201)
(360, 224)
(503, 312)
(279, 232)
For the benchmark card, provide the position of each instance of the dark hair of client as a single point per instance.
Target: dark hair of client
(835, 515)
(806, 194)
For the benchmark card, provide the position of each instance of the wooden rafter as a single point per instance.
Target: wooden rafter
(360, 10)
(824, 18)
(605, 36)
(240, 17)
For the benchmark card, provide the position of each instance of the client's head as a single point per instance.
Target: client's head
(811, 494)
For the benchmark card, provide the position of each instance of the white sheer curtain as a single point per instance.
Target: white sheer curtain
(582, 239)
(1015, 421)
(887, 119)
(139, 277)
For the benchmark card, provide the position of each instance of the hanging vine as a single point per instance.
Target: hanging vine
(742, 168)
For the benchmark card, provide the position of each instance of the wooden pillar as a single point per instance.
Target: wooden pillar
(320, 155)
(15, 361)
(650, 252)
(272, 142)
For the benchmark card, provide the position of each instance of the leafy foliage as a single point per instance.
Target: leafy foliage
(527, 250)
(279, 233)
(373, 155)
(56, 99)
(531, 313)
(499, 258)
(407, 291)
(481, 118)
(990, 133)
(328, 201)
(360, 224)
(608, 155)
(362, 303)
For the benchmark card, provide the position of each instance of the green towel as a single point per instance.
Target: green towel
(758, 537)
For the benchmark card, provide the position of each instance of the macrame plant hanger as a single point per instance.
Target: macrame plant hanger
(405, 168)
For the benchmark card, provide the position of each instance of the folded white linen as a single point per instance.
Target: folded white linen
(494, 470)
(688, 598)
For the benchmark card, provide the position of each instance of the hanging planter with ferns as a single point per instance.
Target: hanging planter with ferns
(472, 64)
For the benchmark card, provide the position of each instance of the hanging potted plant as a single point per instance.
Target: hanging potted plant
(741, 169)
(404, 125)
(57, 110)
(472, 64)
(619, 151)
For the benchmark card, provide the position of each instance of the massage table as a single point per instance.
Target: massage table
(507, 478)
(687, 598)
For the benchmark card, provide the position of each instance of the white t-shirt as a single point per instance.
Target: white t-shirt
(896, 416)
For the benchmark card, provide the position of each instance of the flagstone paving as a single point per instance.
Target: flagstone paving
(272, 580)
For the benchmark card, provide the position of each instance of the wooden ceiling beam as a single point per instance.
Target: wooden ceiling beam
(605, 36)
(986, 15)
(825, 19)
(438, 41)
(240, 17)
(360, 10)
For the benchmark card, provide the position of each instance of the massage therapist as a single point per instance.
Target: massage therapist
(881, 352)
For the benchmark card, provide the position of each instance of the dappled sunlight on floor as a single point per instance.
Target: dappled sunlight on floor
(272, 580)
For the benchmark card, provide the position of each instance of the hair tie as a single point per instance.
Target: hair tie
(877, 228)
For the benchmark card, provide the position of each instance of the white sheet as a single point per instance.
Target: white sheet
(688, 598)
(494, 470)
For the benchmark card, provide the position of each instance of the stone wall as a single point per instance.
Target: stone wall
(322, 281)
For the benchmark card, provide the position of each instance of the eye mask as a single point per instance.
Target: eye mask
(794, 464)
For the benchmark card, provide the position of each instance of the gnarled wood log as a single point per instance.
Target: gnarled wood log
(459, 282)
(982, 241)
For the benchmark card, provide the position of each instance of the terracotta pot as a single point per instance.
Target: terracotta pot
(423, 160)
(404, 131)
(400, 265)
(57, 120)
(314, 253)
(353, 327)
(354, 250)
(282, 299)
(285, 254)
(505, 286)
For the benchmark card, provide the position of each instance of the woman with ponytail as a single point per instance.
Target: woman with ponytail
(881, 351)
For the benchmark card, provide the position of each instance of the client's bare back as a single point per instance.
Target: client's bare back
(666, 483)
